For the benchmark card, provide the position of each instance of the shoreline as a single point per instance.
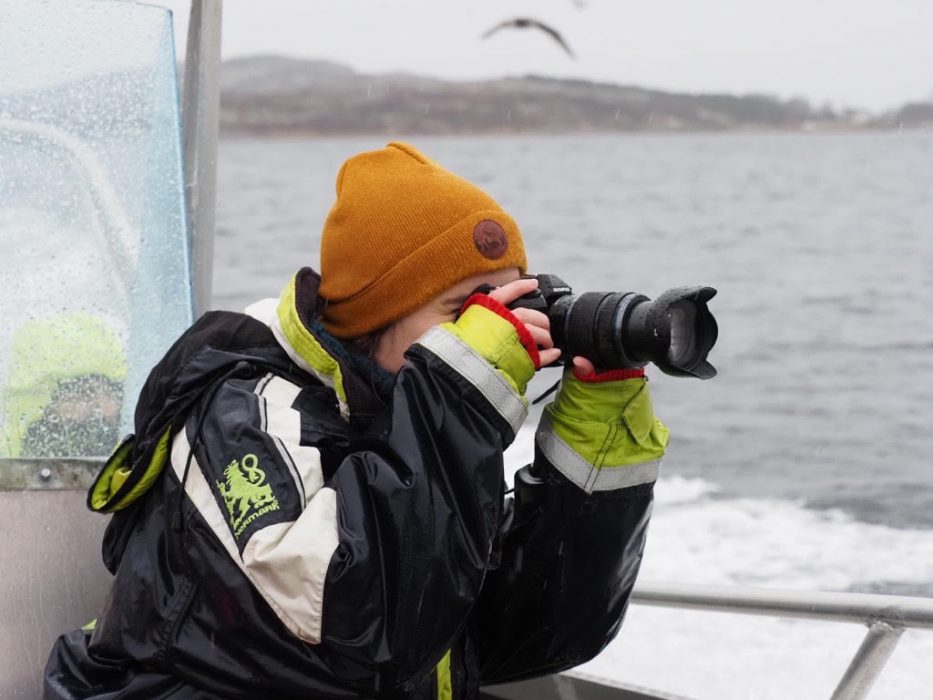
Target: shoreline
(310, 134)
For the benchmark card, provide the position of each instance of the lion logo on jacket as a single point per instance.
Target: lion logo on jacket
(246, 493)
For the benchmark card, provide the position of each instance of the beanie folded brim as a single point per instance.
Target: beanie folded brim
(424, 274)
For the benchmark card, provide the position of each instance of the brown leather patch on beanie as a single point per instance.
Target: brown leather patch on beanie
(490, 239)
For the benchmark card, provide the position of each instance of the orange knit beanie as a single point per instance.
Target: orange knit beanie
(404, 229)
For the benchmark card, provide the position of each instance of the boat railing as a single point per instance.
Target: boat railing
(886, 616)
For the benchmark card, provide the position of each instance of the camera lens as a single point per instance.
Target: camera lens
(618, 330)
(683, 335)
(675, 332)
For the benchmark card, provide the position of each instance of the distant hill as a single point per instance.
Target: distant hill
(272, 95)
(913, 114)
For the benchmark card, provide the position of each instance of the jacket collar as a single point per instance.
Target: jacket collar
(298, 302)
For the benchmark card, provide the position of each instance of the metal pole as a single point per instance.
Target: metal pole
(886, 615)
(868, 662)
(899, 611)
(200, 114)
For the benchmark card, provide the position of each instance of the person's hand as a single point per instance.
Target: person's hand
(583, 367)
(586, 371)
(537, 323)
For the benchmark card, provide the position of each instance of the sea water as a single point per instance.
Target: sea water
(806, 463)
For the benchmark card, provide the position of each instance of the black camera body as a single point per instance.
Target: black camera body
(619, 330)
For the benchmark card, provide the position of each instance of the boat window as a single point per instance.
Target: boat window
(94, 267)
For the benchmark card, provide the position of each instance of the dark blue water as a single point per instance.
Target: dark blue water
(821, 247)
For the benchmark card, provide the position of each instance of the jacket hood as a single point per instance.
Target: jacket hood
(215, 347)
(274, 335)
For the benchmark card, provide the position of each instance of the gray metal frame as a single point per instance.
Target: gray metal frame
(887, 617)
(200, 113)
(48, 474)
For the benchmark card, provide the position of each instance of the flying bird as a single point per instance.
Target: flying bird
(528, 23)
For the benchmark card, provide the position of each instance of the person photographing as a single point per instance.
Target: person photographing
(313, 504)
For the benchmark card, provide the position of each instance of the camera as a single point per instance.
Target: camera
(625, 330)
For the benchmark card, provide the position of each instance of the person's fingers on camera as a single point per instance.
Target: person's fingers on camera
(583, 366)
(541, 337)
(532, 321)
(508, 293)
(536, 322)
(549, 356)
(530, 317)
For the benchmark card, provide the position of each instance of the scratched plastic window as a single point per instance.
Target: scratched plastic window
(94, 271)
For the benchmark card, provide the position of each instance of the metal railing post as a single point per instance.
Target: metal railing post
(887, 616)
(200, 125)
(868, 662)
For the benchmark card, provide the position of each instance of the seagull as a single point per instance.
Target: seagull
(528, 23)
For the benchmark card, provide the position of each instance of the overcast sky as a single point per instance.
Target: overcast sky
(875, 54)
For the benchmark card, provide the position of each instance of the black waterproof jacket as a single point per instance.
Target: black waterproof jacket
(279, 533)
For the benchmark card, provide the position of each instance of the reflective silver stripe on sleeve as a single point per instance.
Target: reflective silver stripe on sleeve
(585, 475)
(275, 433)
(283, 424)
(471, 366)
